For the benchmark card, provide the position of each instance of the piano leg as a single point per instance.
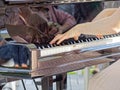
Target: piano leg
(61, 81)
(47, 83)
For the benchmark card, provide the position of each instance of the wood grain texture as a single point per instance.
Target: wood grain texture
(68, 63)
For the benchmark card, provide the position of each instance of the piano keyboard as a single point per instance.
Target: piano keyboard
(82, 45)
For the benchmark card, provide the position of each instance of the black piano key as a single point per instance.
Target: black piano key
(95, 38)
(45, 46)
(89, 40)
(50, 45)
(70, 42)
(62, 44)
(119, 34)
(81, 41)
(115, 35)
(84, 40)
(112, 35)
(54, 45)
(37, 45)
(92, 39)
(76, 41)
(65, 42)
(42, 47)
(106, 36)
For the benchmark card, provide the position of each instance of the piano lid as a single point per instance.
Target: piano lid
(15, 2)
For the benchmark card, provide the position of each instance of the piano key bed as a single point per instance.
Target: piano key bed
(47, 60)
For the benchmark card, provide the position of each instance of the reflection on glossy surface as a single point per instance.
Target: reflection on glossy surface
(52, 1)
(49, 65)
(20, 54)
(67, 15)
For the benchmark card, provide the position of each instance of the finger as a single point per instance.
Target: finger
(99, 36)
(62, 39)
(56, 39)
(75, 37)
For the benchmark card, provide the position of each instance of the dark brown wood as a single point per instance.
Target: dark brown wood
(46, 83)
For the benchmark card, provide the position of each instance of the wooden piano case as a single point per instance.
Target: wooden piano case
(64, 62)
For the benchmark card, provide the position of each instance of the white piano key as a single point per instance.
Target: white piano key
(114, 35)
(68, 43)
(86, 40)
(39, 48)
(48, 46)
(74, 42)
(89, 40)
(106, 36)
(54, 45)
(111, 36)
(96, 39)
(51, 45)
(78, 46)
(92, 39)
(43, 47)
(71, 42)
(79, 41)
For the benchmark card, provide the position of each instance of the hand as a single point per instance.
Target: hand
(73, 33)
